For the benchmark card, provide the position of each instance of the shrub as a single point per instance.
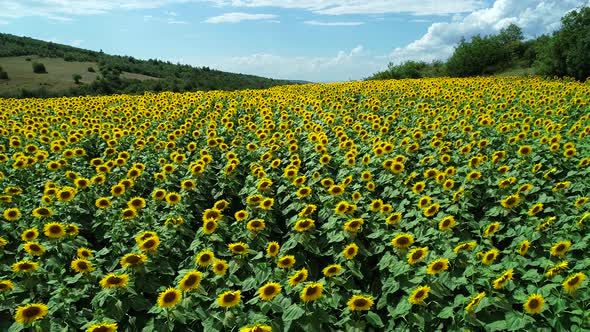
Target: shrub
(3, 74)
(91, 70)
(77, 78)
(39, 68)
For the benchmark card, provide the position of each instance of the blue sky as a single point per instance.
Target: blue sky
(315, 40)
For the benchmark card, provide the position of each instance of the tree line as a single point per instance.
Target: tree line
(565, 53)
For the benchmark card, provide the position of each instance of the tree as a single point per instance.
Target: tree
(3, 74)
(39, 68)
(568, 51)
(77, 78)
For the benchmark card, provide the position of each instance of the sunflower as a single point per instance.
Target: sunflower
(556, 269)
(150, 245)
(54, 230)
(357, 302)
(375, 205)
(418, 187)
(256, 225)
(393, 218)
(298, 277)
(525, 150)
(256, 328)
(273, 248)
(354, 225)
(474, 175)
(417, 255)
(474, 302)
(489, 256)
(220, 266)
(241, 215)
(303, 192)
(491, 229)
(188, 184)
(560, 248)
(510, 201)
(402, 241)
(114, 281)
(332, 270)
(572, 283)
(83, 252)
(190, 281)
(419, 295)
(30, 234)
(30, 313)
(209, 226)
(169, 298)
(81, 265)
(286, 262)
(42, 212)
(438, 266)
(34, 248)
(269, 291)
(212, 214)
(12, 214)
(448, 184)
(132, 260)
(103, 327)
(312, 292)
(501, 281)
(238, 248)
(446, 223)
(229, 299)
(534, 304)
(350, 251)
(173, 198)
(205, 257)
(335, 190)
(581, 201)
(535, 209)
(117, 190)
(128, 214)
(341, 207)
(304, 225)
(424, 201)
(159, 194)
(3, 242)
(6, 286)
(136, 203)
(72, 229)
(523, 248)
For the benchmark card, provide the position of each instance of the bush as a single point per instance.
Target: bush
(91, 70)
(3, 74)
(39, 68)
(77, 78)
(28, 59)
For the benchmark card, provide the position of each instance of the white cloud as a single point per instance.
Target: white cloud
(4, 22)
(348, 7)
(23, 8)
(333, 23)
(239, 17)
(177, 22)
(345, 65)
(76, 42)
(533, 16)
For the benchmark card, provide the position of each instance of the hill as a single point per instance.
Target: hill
(112, 73)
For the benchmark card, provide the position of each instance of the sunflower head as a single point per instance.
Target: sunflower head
(534, 304)
(357, 302)
(205, 257)
(81, 265)
(402, 241)
(419, 295)
(103, 327)
(269, 291)
(229, 299)
(29, 313)
(54, 230)
(169, 298)
(286, 262)
(190, 281)
(114, 281)
(332, 270)
(220, 266)
(312, 292)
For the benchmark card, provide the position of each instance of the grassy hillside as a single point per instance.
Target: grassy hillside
(58, 77)
(114, 73)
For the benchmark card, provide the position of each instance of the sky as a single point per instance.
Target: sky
(312, 40)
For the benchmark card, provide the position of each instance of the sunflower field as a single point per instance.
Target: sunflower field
(433, 204)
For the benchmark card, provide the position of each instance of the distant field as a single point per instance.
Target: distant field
(58, 77)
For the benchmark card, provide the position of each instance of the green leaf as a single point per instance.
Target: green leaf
(499, 325)
(445, 313)
(374, 319)
(292, 313)
(402, 308)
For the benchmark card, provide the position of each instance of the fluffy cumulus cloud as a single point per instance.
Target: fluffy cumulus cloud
(239, 17)
(344, 65)
(533, 16)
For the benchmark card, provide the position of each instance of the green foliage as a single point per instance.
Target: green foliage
(39, 68)
(3, 74)
(567, 52)
(91, 70)
(77, 78)
(411, 69)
